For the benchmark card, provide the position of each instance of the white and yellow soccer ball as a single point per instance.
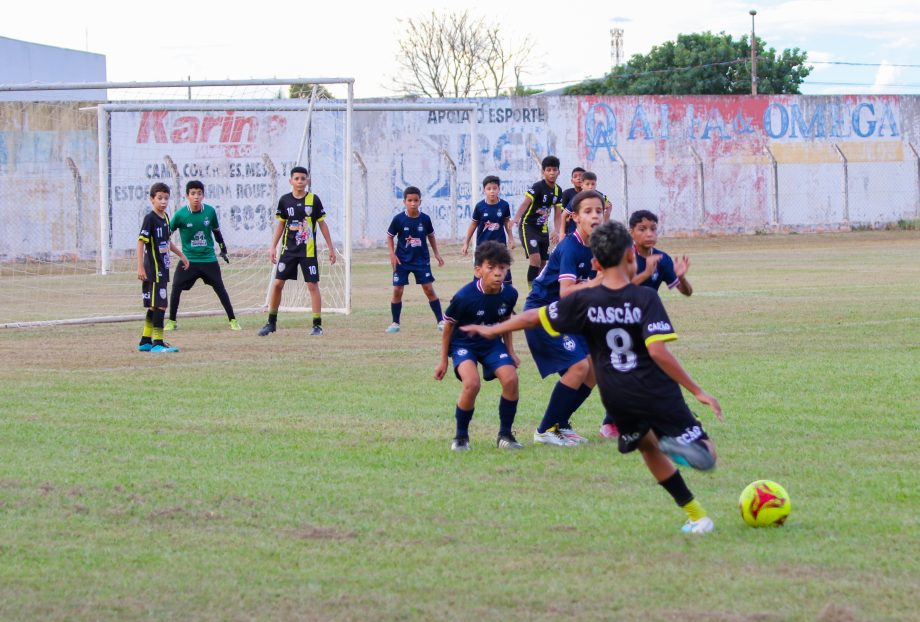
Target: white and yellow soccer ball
(764, 503)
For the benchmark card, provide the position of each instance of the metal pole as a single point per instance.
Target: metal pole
(102, 136)
(452, 180)
(349, 108)
(917, 156)
(625, 185)
(753, 55)
(846, 185)
(474, 157)
(775, 189)
(701, 195)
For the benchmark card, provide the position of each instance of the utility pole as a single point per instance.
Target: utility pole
(753, 55)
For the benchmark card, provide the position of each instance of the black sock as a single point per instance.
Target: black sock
(463, 421)
(677, 489)
(507, 409)
(559, 408)
(224, 298)
(584, 391)
(273, 318)
(317, 319)
(174, 302)
(436, 308)
(608, 419)
(396, 310)
(532, 273)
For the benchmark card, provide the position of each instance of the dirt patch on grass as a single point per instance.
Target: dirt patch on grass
(319, 532)
(833, 612)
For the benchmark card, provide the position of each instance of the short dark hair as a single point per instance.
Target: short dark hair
(300, 169)
(577, 169)
(589, 176)
(194, 185)
(609, 242)
(549, 161)
(158, 187)
(491, 179)
(640, 215)
(412, 190)
(581, 196)
(493, 251)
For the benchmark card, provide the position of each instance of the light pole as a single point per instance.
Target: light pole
(753, 55)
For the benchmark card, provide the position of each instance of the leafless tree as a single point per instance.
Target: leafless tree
(457, 55)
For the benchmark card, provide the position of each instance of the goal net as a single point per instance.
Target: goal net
(75, 176)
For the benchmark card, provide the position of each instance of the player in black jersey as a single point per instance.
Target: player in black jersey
(542, 202)
(626, 328)
(153, 246)
(299, 214)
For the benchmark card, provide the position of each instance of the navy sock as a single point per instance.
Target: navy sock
(608, 419)
(396, 310)
(507, 409)
(584, 391)
(463, 421)
(436, 308)
(559, 408)
(532, 273)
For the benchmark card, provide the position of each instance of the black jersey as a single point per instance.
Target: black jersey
(543, 198)
(618, 326)
(155, 236)
(300, 218)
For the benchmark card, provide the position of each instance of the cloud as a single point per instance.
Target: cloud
(885, 77)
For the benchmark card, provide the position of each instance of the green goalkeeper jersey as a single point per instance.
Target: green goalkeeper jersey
(196, 230)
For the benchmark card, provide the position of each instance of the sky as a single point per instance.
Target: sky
(174, 40)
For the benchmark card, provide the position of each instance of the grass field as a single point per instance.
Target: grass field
(293, 478)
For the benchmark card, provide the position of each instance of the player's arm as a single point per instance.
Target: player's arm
(273, 249)
(527, 319)
(568, 286)
(526, 203)
(651, 263)
(669, 364)
(508, 338)
(441, 368)
(219, 238)
(434, 246)
(469, 236)
(680, 269)
(557, 224)
(510, 234)
(325, 231)
(178, 251)
(141, 272)
(608, 209)
(391, 245)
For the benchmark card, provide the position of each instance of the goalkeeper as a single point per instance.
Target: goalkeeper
(198, 227)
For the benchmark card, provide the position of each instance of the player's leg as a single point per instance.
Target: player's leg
(669, 478)
(310, 269)
(285, 271)
(584, 391)
(146, 342)
(161, 304)
(182, 281)
(543, 248)
(468, 374)
(568, 394)
(212, 276)
(400, 280)
(507, 407)
(530, 241)
(433, 301)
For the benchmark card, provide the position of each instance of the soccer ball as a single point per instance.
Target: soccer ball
(764, 503)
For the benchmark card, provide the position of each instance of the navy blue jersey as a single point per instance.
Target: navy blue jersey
(471, 305)
(411, 233)
(155, 234)
(543, 198)
(664, 271)
(570, 223)
(570, 260)
(490, 221)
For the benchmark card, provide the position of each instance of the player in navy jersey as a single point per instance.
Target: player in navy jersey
(568, 270)
(654, 267)
(542, 202)
(627, 329)
(486, 300)
(153, 246)
(299, 214)
(563, 222)
(408, 237)
(588, 182)
(491, 220)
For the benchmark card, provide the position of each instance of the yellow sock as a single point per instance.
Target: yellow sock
(694, 510)
(158, 334)
(148, 327)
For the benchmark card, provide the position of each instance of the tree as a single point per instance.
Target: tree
(702, 64)
(457, 55)
(305, 89)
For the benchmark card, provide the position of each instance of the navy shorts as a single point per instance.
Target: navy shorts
(422, 274)
(554, 355)
(154, 295)
(491, 355)
(287, 268)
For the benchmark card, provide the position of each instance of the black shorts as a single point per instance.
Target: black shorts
(154, 294)
(287, 268)
(667, 417)
(534, 239)
(208, 271)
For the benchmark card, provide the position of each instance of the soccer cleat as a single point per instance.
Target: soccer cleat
(163, 347)
(441, 326)
(553, 437)
(317, 331)
(571, 434)
(608, 430)
(144, 347)
(268, 328)
(170, 325)
(461, 443)
(234, 325)
(507, 441)
(704, 525)
(694, 455)
(392, 328)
